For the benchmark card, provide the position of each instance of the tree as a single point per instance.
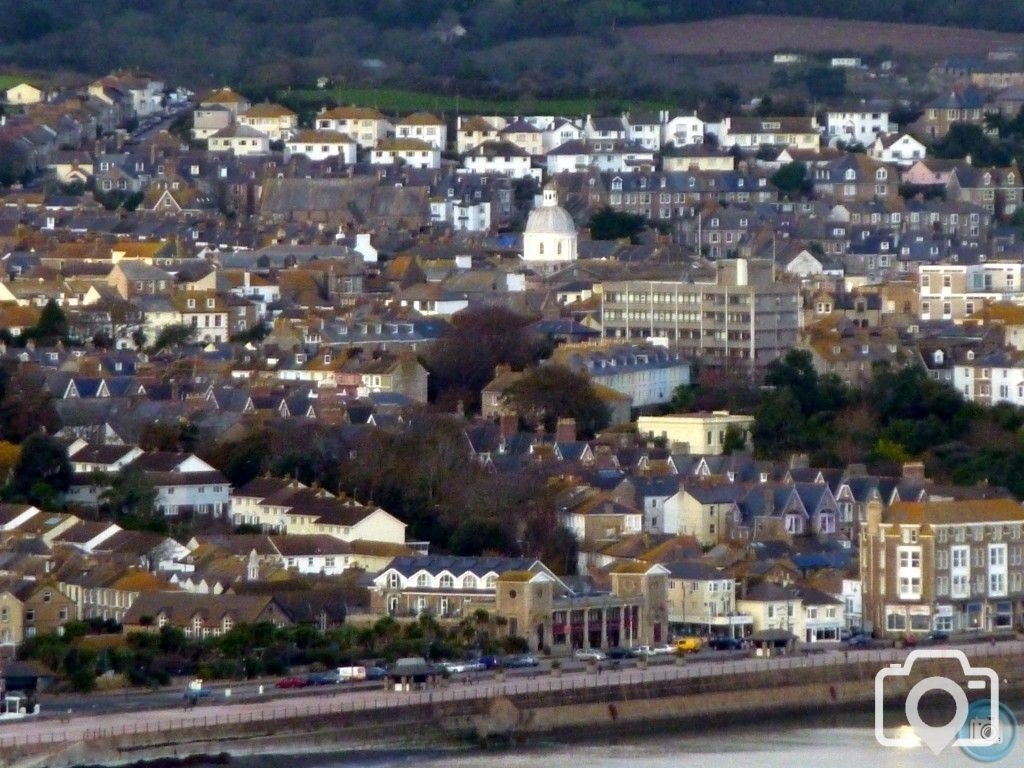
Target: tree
(43, 470)
(476, 537)
(172, 336)
(463, 360)
(608, 224)
(778, 424)
(52, 326)
(790, 178)
(735, 440)
(549, 392)
(26, 407)
(131, 495)
(825, 82)
(139, 338)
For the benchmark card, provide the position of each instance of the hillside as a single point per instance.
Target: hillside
(492, 48)
(765, 34)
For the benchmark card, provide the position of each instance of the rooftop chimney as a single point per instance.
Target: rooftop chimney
(565, 431)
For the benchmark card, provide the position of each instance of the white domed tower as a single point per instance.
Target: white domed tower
(550, 234)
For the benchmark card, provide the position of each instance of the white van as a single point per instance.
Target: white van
(351, 674)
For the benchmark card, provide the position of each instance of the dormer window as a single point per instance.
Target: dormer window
(191, 303)
(210, 303)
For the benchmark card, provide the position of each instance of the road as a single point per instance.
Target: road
(219, 711)
(242, 691)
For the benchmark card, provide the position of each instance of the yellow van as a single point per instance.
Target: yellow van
(688, 644)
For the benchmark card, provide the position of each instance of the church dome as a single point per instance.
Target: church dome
(550, 220)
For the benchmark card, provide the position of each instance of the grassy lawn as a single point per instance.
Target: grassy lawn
(403, 101)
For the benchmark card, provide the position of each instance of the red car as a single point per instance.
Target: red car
(291, 682)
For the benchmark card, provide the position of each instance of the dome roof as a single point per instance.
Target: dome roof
(550, 220)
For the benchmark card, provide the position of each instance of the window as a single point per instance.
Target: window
(997, 583)
(910, 558)
(447, 581)
(423, 580)
(469, 581)
(910, 588)
(960, 555)
(47, 596)
(30, 614)
(63, 614)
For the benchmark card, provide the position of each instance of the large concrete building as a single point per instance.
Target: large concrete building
(744, 314)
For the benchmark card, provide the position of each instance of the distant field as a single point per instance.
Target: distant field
(397, 100)
(765, 34)
(9, 81)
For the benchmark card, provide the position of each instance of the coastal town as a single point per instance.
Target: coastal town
(284, 391)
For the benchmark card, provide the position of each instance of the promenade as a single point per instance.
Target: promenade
(44, 732)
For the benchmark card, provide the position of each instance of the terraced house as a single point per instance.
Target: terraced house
(950, 566)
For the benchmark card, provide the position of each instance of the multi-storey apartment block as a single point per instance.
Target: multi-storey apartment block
(743, 314)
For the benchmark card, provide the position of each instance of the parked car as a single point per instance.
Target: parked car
(519, 661)
(937, 637)
(645, 651)
(688, 644)
(490, 661)
(860, 640)
(620, 653)
(291, 682)
(725, 643)
(376, 673)
(196, 691)
(323, 678)
(589, 654)
(456, 667)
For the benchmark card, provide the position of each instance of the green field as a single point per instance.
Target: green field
(9, 81)
(403, 101)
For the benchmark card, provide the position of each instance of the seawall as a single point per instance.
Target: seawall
(598, 703)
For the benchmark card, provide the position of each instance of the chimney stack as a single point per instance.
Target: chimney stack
(913, 470)
(565, 431)
(509, 424)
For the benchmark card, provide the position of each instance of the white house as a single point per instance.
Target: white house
(314, 555)
(322, 145)
(901, 149)
(366, 126)
(240, 139)
(273, 120)
(430, 300)
(462, 215)
(559, 131)
(856, 126)
(602, 155)
(500, 158)
(23, 93)
(682, 129)
(804, 264)
(415, 153)
(208, 119)
(191, 493)
(644, 129)
(423, 126)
